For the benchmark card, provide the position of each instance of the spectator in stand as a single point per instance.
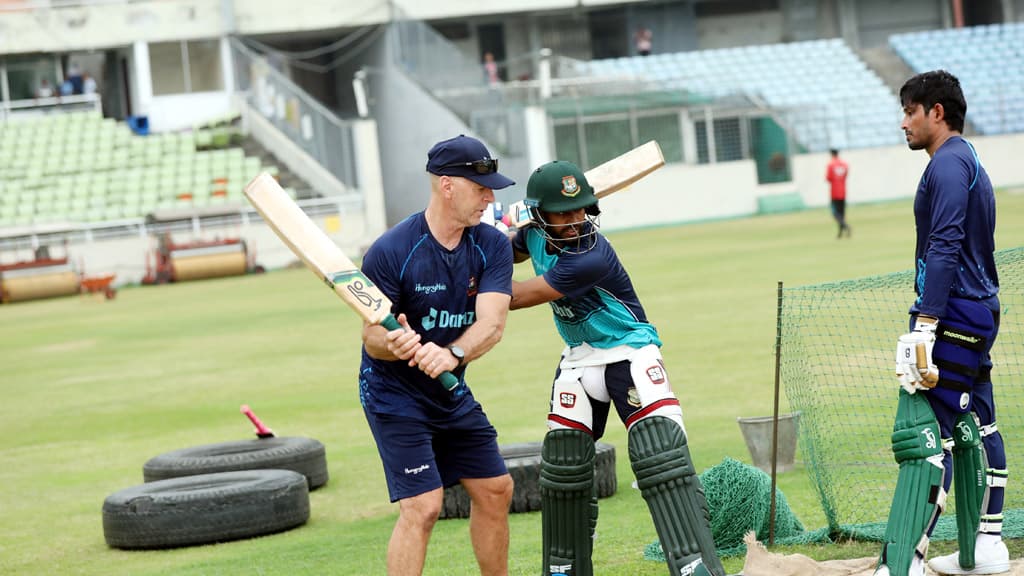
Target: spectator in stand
(44, 90)
(491, 69)
(88, 84)
(75, 77)
(644, 41)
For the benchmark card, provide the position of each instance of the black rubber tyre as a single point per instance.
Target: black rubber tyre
(523, 462)
(303, 455)
(205, 508)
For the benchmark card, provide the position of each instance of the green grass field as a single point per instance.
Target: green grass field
(92, 389)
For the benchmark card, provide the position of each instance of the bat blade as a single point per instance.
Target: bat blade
(623, 171)
(317, 250)
(324, 257)
(610, 177)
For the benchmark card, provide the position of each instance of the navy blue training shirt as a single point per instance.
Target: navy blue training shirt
(599, 305)
(436, 289)
(955, 213)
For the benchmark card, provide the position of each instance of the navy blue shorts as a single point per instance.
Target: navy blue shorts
(420, 456)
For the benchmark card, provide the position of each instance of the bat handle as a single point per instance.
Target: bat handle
(929, 377)
(448, 380)
(261, 430)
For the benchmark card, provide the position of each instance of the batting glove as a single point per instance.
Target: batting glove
(914, 366)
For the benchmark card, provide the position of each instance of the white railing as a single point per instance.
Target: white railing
(52, 104)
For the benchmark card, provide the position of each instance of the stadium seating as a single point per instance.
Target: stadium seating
(81, 167)
(988, 60)
(820, 89)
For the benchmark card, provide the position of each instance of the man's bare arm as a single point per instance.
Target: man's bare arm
(531, 292)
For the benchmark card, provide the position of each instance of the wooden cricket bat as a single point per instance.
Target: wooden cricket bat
(614, 175)
(323, 257)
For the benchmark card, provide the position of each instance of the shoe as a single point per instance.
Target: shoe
(991, 559)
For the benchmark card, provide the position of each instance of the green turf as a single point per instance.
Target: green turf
(92, 389)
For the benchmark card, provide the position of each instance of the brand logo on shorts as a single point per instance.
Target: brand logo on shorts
(633, 397)
(965, 401)
(656, 374)
(417, 470)
(567, 399)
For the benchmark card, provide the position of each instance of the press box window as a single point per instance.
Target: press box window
(186, 66)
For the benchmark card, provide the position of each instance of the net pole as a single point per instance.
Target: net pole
(775, 415)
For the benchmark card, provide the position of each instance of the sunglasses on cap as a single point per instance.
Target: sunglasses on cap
(485, 166)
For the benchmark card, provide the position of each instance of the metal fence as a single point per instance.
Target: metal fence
(306, 122)
(15, 241)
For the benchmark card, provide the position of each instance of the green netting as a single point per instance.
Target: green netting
(739, 500)
(838, 341)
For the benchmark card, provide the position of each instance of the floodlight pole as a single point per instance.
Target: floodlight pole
(775, 416)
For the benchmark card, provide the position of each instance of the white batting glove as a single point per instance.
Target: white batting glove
(914, 366)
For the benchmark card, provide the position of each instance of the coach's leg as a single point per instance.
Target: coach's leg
(488, 522)
(407, 549)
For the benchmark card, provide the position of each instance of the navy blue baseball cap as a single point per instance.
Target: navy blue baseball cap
(466, 157)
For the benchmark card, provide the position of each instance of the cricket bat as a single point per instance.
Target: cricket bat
(614, 175)
(323, 257)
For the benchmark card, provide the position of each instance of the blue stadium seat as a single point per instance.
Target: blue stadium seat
(796, 74)
(989, 60)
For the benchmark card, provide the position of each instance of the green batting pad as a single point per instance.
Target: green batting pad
(968, 484)
(915, 438)
(669, 484)
(568, 513)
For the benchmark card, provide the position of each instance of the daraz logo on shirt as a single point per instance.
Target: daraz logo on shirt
(446, 319)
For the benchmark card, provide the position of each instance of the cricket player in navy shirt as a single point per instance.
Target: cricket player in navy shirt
(945, 431)
(450, 280)
(612, 358)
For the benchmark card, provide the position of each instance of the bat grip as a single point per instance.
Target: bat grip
(930, 378)
(448, 380)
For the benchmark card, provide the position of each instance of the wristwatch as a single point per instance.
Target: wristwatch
(459, 354)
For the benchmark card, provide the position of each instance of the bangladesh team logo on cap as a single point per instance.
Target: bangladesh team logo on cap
(569, 186)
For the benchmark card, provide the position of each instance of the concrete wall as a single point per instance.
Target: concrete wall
(681, 193)
(890, 173)
(107, 25)
(684, 193)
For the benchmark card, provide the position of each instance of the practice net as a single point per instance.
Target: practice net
(837, 369)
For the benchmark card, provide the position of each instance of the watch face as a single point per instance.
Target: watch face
(457, 352)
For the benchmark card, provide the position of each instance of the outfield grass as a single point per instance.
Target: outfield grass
(92, 389)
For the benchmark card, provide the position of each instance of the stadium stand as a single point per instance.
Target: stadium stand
(81, 167)
(825, 93)
(988, 60)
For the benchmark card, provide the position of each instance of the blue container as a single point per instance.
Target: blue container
(139, 124)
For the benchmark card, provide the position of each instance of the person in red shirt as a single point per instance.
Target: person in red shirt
(835, 174)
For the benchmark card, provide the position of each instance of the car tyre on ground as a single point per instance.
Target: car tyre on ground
(303, 455)
(205, 508)
(523, 463)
